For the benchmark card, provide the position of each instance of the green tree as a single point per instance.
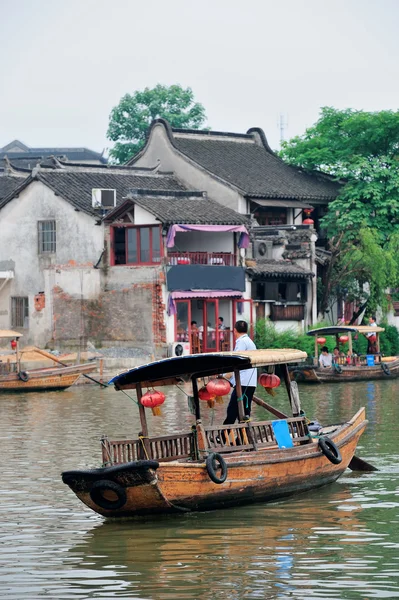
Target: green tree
(129, 121)
(361, 150)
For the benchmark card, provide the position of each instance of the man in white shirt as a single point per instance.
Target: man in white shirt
(325, 358)
(248, 377)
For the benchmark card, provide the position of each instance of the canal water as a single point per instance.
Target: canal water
(340, 541)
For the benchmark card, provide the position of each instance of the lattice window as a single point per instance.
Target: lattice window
(20, 312)
(47, 237)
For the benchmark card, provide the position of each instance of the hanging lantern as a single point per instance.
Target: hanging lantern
(269, 381)
(153, 399)
(218, 387)
(206, 396)
(308, 222)
(321, 341)
(13, 344)
(343, 339)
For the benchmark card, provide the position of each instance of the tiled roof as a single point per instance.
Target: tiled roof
(188, 207)
(29, 155)
(8, 184)
(76, 186)
(247, 162)
(278, 268)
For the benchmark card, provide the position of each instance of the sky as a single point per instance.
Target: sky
(66, 63)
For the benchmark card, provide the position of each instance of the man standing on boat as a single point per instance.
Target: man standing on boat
(248, 376)
(371, 337)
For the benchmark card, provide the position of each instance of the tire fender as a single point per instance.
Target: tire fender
(23, 375)
(330, 450)
(103, 485)
(212, 462)
(385, 368)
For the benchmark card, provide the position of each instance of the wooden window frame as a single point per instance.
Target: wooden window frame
(152, 263)
(14, 309)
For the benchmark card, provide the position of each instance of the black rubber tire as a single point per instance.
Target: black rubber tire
(298, 375)
(337, 369)
(104, 485)
(211, 466)
(330, 450)
(385, 368)
(23, 375)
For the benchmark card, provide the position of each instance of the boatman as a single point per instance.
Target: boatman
(248, 376)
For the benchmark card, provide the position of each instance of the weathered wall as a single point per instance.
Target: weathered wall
(79, 240)
(160, 150)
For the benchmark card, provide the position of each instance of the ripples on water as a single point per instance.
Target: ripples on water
(341, 541)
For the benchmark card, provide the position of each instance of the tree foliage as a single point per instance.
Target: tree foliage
(129, 121)
(361, 150)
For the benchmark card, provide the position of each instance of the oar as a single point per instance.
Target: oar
(356, 464)
(52, 357)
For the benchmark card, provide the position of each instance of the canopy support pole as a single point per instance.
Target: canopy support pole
(239, 395)
(316, 352)
(143, 421)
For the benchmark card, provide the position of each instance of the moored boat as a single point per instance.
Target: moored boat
(351, 367)
(13, 378)
(215, 466)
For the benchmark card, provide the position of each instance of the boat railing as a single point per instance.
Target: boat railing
(253, 435)
(161, 448)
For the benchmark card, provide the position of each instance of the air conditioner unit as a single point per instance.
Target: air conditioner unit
(103, 198)
(179, 349)
(263, 249)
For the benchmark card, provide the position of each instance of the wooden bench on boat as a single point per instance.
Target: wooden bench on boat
(252, 435)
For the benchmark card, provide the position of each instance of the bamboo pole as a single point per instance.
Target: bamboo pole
(239, 395)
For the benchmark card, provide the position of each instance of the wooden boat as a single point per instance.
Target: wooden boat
(213, 466)
(59, 377)
(351, 367)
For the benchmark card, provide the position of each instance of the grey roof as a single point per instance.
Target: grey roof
(246, 162)
(187, 207)
(76, 186)
(8, 184)
(268, 269)
(28, 155)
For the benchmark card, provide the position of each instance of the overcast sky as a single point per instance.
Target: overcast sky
(66, 63)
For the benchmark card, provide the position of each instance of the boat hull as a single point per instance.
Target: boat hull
(257, 476)
(52, 378)
(348, 373)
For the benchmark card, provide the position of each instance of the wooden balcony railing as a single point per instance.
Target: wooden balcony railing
(202, 258)
(287, 312)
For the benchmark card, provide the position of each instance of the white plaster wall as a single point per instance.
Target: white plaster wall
(160, 150)
(204, 242)
(78, 240)
(143, 217)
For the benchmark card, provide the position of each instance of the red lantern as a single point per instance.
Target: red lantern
(308, 222)
(153, 399)
(206, 396)
(218, 387)
(343, 339)
(13, 344)
(321, 340)
(269, 381)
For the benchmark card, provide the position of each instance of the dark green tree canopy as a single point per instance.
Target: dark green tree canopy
(129, 121)
(361, 149)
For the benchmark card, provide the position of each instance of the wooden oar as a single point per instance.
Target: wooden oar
(52, 357)
(356, 464)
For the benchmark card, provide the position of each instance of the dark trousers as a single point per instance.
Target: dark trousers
(232, 409)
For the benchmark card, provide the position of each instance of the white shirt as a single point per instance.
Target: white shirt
(249, 377)
(325, 360)
(371, 325)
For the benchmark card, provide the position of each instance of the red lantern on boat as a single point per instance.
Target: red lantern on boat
(218, 387)
(343, 339)
(321, 341)
(206, 396)
(13, 344)
(269, 381)
(153, 399)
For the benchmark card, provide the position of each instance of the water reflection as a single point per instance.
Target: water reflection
(337, 542)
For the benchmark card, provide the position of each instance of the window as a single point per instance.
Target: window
(136, 245)
(20, 312)
(47, 237)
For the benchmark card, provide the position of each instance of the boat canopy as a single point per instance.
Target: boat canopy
(170, 371)
(338, 330)
(8, 333)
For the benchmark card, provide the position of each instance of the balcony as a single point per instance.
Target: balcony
(226, 259)
(287, 312)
